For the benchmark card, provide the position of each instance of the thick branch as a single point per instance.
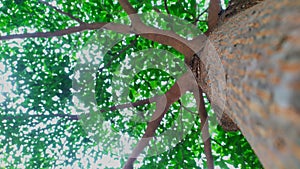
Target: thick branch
(204, 129)
(127, 7)
(181, 86)
(187, 47)
(213, 14)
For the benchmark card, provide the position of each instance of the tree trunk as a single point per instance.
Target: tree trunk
(260, 51)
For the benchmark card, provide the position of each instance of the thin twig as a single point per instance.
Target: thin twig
(166, 7)
(198, 17)
(134, 104)
(205, 132)
(62, 12)
(76, 117)
(217, 142)
(181, 136)
(187, 109)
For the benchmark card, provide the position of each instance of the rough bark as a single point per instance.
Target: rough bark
(260, 50)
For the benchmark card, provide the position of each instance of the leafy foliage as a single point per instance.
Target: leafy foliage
(39, 125)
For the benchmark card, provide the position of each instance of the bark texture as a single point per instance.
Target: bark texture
(260, 51)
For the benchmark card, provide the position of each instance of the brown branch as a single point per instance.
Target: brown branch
(170, 38)
(127, 7)
(62, 12)
(156, 10)
(93, 26)
(182, 85)
(187, 47)
(213, 14)
(204, 129)
(198, 94)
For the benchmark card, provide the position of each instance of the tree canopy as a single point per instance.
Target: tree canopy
(44, 44)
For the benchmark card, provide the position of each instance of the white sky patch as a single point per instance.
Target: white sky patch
(223, 4)
(5, 85)
(159, 3)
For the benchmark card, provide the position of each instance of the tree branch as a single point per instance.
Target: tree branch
(213, 14)
(127, 7)
(187, 109)
(182, 85)
(166, 7)
(62, 12)
(197, 19)
(93, 26)
(204, 129)
(187, 47)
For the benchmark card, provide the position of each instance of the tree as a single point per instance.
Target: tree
(257, 48)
